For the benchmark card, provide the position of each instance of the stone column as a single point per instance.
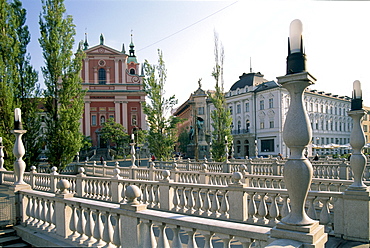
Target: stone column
(86, 60)
(62, 211)
(298, 171)
(356, 199)
(130, 225)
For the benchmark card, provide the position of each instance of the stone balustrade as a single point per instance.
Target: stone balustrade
(251, 199)
(78, 221)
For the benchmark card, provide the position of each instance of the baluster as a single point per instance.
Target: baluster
(145, 198)
(73, 224)
(81, 226)
(183, 201)
(176, 241)
(108, 231)
(29, 210)
(162, 238)
(246, 243)
(224, 210)
(207, 238)
(285, 209)
(191, 237)
(207, 204)
(274, 210)
(149, 238)
(37, 212)
(45, 215)
(98, 229)
(157, 193)
(325, 214)
(52, 227)
(226, 239)
(215, 205)
(151, 196)
(116, 230)
(176, 200)
(311, 211)
(198, 203)
(89, 227)
(262, 210)
(191, 202)
(252, 210)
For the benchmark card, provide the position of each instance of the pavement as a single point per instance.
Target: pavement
(6, 204)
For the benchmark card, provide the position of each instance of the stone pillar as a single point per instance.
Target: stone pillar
(86, 60)
(356, 199)
(130, 225)
(62, 211)
(124, 114)
(238, 207)
(80, 182)
(298, 171)
(116, 72)
(166, 191)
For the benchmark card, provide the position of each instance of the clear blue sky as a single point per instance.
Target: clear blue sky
(336, 38)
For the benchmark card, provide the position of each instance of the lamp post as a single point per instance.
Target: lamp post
(1, 155)
(357, 139)
(297, 132)
(18, 150)
(132, 152)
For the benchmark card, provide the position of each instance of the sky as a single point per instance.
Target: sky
(254, 34)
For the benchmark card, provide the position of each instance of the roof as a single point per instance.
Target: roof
(249, 79)
(266, 86)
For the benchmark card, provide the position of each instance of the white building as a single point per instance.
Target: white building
(259, 107)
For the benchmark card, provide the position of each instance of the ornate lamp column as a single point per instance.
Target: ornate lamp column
(357, 139)
(356, 207)
(297, 134)
(1, 155)
(132, 152)
(18, 150)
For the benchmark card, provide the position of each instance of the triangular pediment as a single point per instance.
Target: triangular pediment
(102, 50)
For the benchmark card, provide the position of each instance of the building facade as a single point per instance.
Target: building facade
(114, 87)
(258, 108)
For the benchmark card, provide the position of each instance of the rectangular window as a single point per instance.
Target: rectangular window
(271, 124)
(102, 109)
(262, 105)
(271, 103)
(201, 111)
(93, 109)
(93, 120)
(365, 128)
(238, 109)
(111, 109)
(247, 107)
(262, 125)
(111, 116)
(267, 145)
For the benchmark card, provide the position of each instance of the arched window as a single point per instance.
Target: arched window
(132, 71)
(102, 76)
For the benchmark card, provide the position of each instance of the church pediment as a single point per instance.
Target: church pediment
(102, 50)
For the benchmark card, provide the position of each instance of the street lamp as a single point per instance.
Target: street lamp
(297, 132)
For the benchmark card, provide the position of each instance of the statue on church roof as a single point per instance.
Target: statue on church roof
(101, 39)
(200, 83)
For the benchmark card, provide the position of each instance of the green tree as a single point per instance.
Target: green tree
(220, 116)
(113, 132)
(162, 126)
(18, 81)
(26, 90)
(63, 94)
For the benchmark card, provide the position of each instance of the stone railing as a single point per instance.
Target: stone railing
(253, 199)
(81, 222)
